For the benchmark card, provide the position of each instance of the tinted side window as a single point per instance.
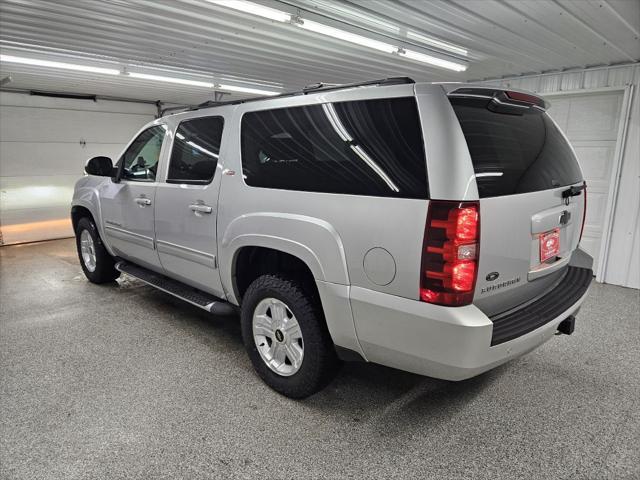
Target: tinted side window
(141, 158)
(514, 154)
(194, 156)
(371, 147)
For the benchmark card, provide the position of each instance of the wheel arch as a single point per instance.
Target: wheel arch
(312, 243)
(254, 258)
(88, 205)
(78, 212)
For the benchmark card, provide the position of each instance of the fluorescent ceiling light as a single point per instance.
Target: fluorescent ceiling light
(256, 91)
(438, 62)
(374, 166)
(202, 149)
(62, 65)
(346, 36)
(353, 13)
(337, 125)
(142, 76)
(342, 132)
(488, 174)
(160, 78)
(255, 9)
(437, 43)
(279, 15)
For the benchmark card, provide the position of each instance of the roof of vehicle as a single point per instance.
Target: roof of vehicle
(448, 87)
(317, 88)
(314, 88)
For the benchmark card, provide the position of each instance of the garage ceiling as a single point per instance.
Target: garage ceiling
(201, 40)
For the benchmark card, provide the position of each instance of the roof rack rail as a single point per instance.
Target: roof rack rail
(313, 88)
(382, 82)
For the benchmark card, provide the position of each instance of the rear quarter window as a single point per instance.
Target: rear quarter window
(371, 147)
(514, 154)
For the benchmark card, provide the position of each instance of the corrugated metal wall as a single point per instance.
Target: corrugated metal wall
(623, 261)
(201, 40)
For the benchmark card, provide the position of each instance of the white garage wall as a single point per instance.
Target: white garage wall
(592, 124)
(622, 265)
(44, 143)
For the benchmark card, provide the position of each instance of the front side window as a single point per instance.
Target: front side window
(194, 156)
(142, 156)
(370, 147)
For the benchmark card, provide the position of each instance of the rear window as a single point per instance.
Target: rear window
(514, 154)
(194, 156)
(371, 147)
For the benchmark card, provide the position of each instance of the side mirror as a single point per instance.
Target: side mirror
(100, 166)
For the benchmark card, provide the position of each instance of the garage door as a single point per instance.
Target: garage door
(591, 124)
(44, 143)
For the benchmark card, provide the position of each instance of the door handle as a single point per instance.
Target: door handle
(198, 208)
(142, 201)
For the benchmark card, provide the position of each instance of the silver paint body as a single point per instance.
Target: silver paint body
(376, 314)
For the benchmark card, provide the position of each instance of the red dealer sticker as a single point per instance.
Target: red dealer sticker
(549, 244)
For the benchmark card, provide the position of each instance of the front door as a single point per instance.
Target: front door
(128, 206)
(186, 205)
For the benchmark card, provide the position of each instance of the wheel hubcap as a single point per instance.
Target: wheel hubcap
(88, 251)
(278, 337)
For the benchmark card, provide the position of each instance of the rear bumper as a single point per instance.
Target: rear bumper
(452, 343)
(527, 318)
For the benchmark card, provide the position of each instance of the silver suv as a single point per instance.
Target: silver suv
(430, 228)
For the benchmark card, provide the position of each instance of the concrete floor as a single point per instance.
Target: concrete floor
(123, 381)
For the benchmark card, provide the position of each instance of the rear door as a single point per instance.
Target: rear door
(186, 205)
(531, 198)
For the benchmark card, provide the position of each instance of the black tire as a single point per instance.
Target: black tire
(320, 361)
(105, 264)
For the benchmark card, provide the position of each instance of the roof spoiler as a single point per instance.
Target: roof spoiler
(503, 100)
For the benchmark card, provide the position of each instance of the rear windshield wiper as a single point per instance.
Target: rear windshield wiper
(572, 192)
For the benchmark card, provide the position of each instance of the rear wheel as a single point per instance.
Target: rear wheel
(97, 265)
(286, 337)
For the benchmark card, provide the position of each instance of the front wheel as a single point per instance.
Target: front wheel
(97, 265)
(286, 337)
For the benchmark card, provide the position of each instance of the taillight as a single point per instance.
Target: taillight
(584, 211)
(450, 253)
